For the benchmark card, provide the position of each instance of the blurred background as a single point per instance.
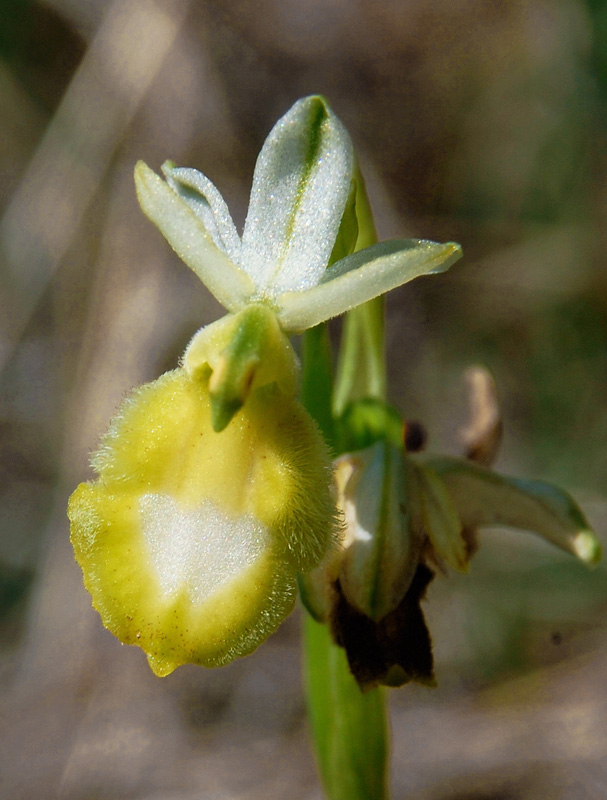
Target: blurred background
(483, 123)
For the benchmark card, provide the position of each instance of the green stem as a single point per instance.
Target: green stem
(349, 728)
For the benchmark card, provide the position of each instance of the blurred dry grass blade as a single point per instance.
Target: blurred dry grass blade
(47, 209)
(482, 436)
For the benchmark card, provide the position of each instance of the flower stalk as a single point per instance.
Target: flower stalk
(349, 728)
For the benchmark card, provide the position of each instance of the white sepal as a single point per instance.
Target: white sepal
(190, 239)
(361, 277)
(300, 188)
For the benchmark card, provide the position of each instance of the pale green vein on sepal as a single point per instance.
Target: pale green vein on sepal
(189, 238)
(482, 497)
(362, 276)
(383, 540)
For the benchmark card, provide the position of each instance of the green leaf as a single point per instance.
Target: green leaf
(349, 727)
(361, 365)
(189, 238)
(300, 188)
(347, 235)
(362, 276)
(482, 497)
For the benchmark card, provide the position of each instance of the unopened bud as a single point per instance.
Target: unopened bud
(381, 546)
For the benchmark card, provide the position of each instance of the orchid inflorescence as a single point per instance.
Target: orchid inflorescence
(215, 488)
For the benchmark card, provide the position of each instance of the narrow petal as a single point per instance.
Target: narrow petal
(482, 497)
(363, 276)
(206, 202)
(300, 188)
(190, 239)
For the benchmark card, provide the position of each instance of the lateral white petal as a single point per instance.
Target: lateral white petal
(363, 276)
(190, 239)
(300, 187)
(206, 202)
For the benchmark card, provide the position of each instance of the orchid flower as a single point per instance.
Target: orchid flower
(214, 485)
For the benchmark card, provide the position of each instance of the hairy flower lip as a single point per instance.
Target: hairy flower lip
(176, 503)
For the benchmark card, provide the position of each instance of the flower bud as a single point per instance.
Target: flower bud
(482, 497)
(381, 544)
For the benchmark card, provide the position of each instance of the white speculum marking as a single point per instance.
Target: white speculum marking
(198, 550)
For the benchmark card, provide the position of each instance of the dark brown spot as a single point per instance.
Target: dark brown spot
(415, 437)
